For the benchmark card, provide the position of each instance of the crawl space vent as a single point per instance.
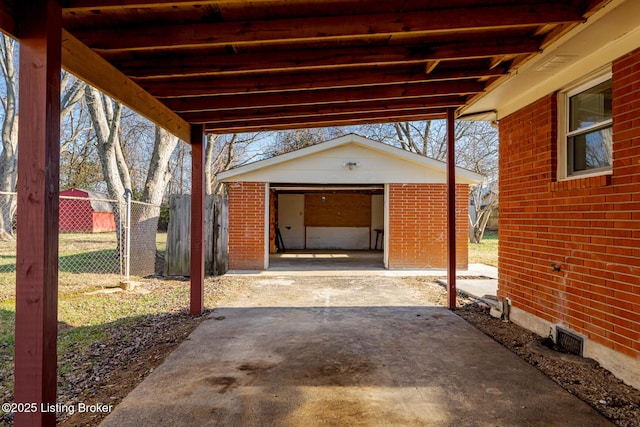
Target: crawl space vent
(569, 342)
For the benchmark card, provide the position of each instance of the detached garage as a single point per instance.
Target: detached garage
(350, 193)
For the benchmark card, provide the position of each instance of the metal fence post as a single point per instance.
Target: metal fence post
(127, 248)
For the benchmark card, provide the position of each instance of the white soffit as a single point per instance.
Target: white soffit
(608, 34)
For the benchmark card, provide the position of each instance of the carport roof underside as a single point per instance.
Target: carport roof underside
(238, 66)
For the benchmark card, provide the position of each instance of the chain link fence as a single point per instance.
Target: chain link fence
(89, 228)
(8, 205)
(97, 236)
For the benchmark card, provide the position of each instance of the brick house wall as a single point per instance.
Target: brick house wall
(418, 225)
(246, 225)
(590, 227)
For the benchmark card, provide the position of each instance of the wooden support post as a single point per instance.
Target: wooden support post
(451, 209)
(37, 235)
(197, 219)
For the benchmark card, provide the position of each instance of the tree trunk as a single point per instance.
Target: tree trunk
(208, 163)
(105, 116)
(8, 158)
(144, 216)
(9, 155)
(483, 209)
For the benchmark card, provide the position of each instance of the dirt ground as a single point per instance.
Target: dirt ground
(109, 370)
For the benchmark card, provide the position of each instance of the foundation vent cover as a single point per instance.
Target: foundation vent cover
(569, 342)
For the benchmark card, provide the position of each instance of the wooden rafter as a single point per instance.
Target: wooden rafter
(79, 5)
(201, 63)
(320, 110)
(349, 119)
(343, 96)
(7, 19)
(197, 60)
(281, 82)
(224, 62)
(329, 27)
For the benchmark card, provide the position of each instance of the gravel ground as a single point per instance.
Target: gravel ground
(105, 372)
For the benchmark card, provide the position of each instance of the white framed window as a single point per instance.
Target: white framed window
(585, 129)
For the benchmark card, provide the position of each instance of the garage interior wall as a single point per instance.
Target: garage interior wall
(331, 220)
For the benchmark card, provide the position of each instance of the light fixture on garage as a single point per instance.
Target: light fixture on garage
(351, 165)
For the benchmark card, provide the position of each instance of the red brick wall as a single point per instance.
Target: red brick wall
(418, 225)
(590, 227)
(246, 225)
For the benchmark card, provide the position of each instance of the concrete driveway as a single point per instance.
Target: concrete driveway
(344, 351)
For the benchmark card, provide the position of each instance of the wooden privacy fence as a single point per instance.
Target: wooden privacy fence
(178, 253)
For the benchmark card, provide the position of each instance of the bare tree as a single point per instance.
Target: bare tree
(218, 158)
(484, 200)
(106, 115)
(79, 163)
(179, 170)
(9, 155)
(224, 152)
(71, 95)
(144, 221)
(476, 150)
(286, 141)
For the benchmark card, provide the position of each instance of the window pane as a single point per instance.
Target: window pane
(590, 150)
(590, 107)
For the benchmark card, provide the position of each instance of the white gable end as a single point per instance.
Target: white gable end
(353, 161)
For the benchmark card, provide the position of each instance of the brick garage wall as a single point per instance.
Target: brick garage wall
(246, 225)
(590, 227)
(418, 225)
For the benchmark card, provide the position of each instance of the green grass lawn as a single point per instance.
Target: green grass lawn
(86, 317)
(87, 264)
(79, 253)
(485, 252)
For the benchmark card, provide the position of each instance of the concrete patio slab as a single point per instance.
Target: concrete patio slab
(344, 351)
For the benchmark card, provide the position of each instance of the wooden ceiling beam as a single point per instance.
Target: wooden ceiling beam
(310, 111)
(214, 86)
(85, 5)
(317, 97)
(455, 19)
(82, 62)
(201, 63)
(331, 121)
(7, 20)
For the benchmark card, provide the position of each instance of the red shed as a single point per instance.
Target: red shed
(85, 211)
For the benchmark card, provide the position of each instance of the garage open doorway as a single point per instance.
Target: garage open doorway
(327, 227)
(347, 193)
